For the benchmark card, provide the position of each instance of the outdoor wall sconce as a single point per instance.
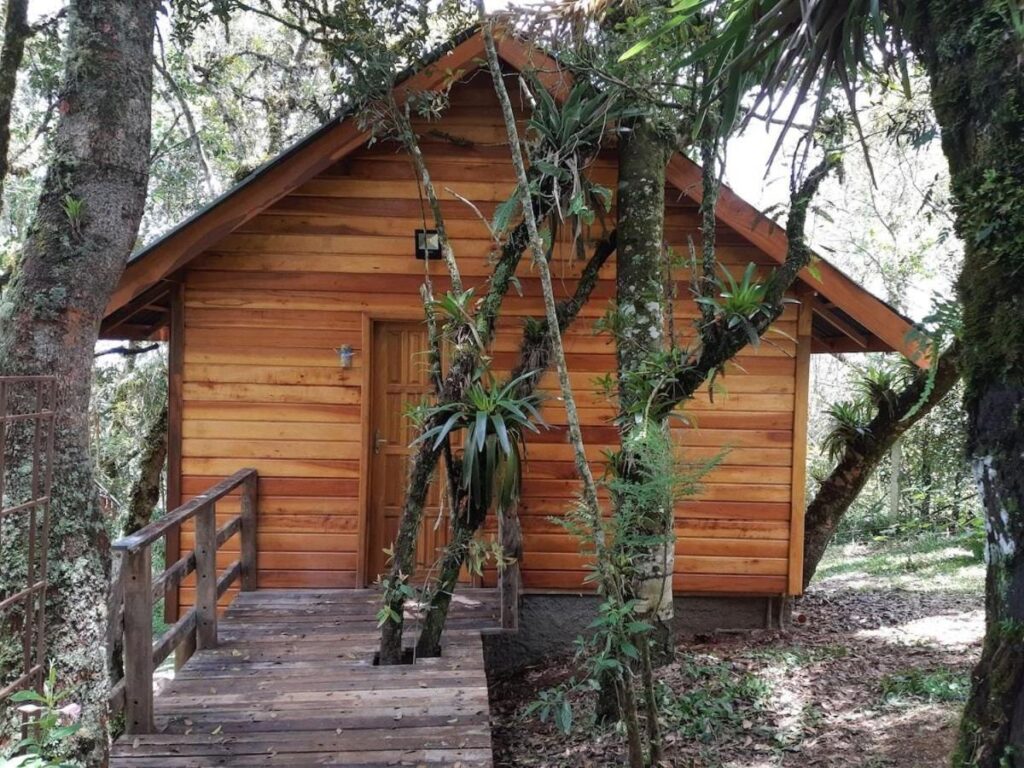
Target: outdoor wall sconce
(345, 356)
(428, 245)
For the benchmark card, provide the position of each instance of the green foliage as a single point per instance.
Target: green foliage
(849, 422)
(52, 722)
(740, 303)
(940, 685)
(552, 704)
(752, 45)
(456, 309)
(74, 209)
(941, 328)
(875, 391)
(390, 590)
(493, 421)
(560, 140)
(646, 474)
(128, 392)
(715, 702)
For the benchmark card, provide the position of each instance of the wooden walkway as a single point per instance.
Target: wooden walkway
(293, 684)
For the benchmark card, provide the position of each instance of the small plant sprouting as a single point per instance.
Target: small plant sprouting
(74, 209)
(941, 685)
(53, 720)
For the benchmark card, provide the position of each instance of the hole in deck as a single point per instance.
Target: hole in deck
(408, 657)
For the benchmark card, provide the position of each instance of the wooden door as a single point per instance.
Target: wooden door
(399, 378)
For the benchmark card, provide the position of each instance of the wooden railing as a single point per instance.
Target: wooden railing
(135, 591)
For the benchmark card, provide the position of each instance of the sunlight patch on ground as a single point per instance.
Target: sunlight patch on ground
(937, 565)
(950, 630)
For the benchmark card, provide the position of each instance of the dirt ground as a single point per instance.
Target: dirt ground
(872, 672)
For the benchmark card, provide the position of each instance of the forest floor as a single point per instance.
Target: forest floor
(872, 673)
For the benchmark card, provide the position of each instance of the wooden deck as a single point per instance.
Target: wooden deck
(293, 683)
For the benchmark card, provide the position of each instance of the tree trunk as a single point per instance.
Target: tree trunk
(85, 226)
(534, 355)
(973, 55)
(145, 493)
(640, 209)
(423, 463)
(16, 32)
(465, 524)
(588, 493)
(860, 457)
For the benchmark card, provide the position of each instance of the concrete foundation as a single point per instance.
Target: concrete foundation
(549, 624)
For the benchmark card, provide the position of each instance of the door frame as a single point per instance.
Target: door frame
(370, 319)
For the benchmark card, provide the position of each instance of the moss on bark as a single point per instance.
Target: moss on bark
(974, 55)
(85, 226)
(641, 338)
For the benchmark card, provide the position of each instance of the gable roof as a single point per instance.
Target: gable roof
(847, 317)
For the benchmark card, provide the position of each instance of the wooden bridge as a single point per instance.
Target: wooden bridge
(286, 677)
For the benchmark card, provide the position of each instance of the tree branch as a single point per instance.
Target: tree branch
(127, 351)
(16, 32)
(862, 454)
(535, 348)
(719, 343)
(186, 111)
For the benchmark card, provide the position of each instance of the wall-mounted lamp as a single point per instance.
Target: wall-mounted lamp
(345, 355)
(428, 245)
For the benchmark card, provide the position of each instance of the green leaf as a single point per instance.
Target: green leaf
(563, 716)
(28, 695)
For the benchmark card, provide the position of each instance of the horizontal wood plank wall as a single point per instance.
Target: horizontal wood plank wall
(266, 310)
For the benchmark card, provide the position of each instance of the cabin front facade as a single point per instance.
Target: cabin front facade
(294, 320)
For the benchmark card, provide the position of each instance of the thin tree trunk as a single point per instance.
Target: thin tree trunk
(540, 261)
(534, 355)
(861, 456)
(145, 494)
(974, 54)
(85, 226)
(464, 526)
(16, 32)
(588, 494)
(423, 463)
(650, 703)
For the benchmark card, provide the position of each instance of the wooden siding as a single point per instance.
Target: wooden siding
(261, 385)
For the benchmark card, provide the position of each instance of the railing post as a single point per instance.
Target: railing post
(509, 578)
(138, 641)
(206, 577)
(248, 533)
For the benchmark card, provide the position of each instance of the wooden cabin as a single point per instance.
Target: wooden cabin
(315, 253)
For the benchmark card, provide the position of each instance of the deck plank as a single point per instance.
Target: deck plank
(292, 683)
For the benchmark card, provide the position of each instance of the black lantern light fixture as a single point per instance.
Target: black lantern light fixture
(428, 245)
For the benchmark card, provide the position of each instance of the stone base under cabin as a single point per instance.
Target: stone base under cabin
(549, 624)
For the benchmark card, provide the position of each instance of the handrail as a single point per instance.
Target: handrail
(135, 591)
(186, 511)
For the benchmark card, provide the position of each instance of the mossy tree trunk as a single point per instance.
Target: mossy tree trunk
(861, 456)
(85, 226)
(640, 339)
(16, 32)
(974, 57)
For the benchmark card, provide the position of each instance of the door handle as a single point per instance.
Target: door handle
(378, 441)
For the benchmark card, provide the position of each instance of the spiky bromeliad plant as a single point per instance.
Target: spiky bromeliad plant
(740, 303)
(494, 421)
